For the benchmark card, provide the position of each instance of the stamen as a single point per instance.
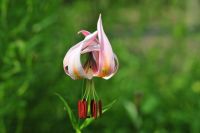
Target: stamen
(84, 108)
(89, 106)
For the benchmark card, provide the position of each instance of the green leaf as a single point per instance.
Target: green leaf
(88, 121)
(133, 114)
(107, 107)
(69, 111)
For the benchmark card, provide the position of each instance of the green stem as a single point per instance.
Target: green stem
(83, 85)
(96, 94)
(88, 88)
(78, 131)
(93, 89)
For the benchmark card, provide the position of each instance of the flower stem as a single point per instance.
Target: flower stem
(88, 89)
(83, 85)
(78, 131)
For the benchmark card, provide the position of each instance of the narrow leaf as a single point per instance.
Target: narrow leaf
(69, 111)
(107, 107)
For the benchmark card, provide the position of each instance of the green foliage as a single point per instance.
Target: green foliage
(70, 113)
(158, 82)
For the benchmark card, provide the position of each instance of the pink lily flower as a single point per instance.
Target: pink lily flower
(101, 62)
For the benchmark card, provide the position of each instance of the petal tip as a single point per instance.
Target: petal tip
(100, 18)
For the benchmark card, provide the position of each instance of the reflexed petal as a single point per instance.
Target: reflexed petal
(106, 56)
(67, 57)
(72, 63)
(84, 32)
(116, 68)
(89, 39)
(92, 47)
(116, 63)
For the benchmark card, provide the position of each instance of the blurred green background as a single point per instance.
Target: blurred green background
(158, 82)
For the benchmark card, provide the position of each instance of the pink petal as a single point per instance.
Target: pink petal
(72, 62)
(106, 56)
(84, 32)
(91, 48)
(89, 39)
(115, 69)
(67, 56)
(95, 55)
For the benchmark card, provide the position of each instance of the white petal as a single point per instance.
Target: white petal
(72, 62)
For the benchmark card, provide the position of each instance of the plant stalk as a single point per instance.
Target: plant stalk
(78, 131)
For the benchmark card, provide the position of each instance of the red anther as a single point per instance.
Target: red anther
(100, 108)
(84, 108)
(94, 109)
(91, 107)
(79, 109)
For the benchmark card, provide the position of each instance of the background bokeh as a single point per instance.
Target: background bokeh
(158, 82)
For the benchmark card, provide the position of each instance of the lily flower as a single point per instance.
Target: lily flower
(101, 62)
